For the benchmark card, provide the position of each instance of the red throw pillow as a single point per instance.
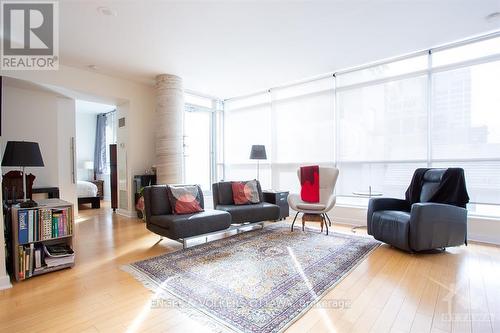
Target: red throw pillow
(245, 193)
(185, 199)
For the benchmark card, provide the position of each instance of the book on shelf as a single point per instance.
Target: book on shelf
(23, 227)
(35, 258)
(60, 254)
(38, 259)
(43, 223)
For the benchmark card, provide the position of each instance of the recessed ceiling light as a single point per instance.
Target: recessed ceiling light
(92, 67)
(493, 17)
(107, 11)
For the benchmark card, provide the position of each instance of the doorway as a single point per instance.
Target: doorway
(95, 131)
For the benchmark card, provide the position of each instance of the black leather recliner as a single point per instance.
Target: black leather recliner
(419, 226)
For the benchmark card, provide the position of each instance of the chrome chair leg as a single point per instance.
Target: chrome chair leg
(328, 218)
(294, 220)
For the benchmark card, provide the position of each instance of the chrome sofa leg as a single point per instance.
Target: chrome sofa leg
(159, 240)
(294, 220)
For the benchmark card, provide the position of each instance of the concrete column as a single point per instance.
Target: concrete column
(169, 128)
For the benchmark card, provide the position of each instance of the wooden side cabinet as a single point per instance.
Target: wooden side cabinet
(278, 198)
(100, 187)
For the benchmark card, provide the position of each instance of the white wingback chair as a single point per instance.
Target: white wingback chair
(327, 180)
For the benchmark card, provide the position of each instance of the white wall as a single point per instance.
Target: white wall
(85, 143)
(140, 104)
(65, 133)
(31, 115)
(46, 118)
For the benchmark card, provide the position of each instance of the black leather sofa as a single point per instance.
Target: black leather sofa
(420, 226)
(262, 211)
(161, 220)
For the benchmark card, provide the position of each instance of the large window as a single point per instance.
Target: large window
(247, 122)
(303, 130)
(466, 113)
(382, 129)
(384, 122)
(379, 123)
(199, 145)
(294, 123)
(466, 129)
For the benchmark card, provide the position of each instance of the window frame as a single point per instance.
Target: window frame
(429, 72)
(213, 130)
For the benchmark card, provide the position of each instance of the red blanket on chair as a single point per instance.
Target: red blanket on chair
(309, 180)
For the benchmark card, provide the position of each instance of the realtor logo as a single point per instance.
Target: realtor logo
(30, 39)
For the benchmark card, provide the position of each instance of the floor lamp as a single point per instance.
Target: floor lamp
(258, 153)
(23, 154)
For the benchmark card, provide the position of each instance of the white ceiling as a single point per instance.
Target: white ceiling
(235, 47)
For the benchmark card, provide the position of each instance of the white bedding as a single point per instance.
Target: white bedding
(85, 189)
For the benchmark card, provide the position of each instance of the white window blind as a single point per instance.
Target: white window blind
(467, 52)
(382, 71)
(197, 147)
(303, 129)
(466, 113)
(247, 122)
(384, 122)
(378, 124)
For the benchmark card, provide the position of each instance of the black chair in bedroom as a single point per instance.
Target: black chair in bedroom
(433, 215)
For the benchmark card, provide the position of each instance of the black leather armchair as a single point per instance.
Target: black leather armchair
(420, 226)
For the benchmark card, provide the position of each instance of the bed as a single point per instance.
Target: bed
(87, 194)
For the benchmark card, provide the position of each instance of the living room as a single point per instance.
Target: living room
(250, 166)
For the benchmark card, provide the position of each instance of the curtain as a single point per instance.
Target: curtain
(100, 145)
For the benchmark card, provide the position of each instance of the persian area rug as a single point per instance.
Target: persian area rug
(257, 281)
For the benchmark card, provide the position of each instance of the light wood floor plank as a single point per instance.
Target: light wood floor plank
(390, 291)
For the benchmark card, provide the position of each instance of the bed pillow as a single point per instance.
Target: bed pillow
(245, 193)
(185, 199)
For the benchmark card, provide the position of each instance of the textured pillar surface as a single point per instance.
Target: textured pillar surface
(169, 128)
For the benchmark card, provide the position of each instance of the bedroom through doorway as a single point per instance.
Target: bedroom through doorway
(95, 131)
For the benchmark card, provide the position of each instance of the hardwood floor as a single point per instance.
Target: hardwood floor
(390, 291)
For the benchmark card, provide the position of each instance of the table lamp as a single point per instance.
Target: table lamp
(23, 154)
(258, 153)
(89, 165)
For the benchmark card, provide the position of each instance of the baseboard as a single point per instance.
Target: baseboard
(479, 229)
(348, 221)
(126, 213)
(489, 239)
(5, 282)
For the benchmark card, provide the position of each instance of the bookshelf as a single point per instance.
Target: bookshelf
(51, 223)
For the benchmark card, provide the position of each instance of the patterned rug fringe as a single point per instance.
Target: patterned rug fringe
(200, 317)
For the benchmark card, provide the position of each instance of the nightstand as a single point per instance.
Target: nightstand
(100, 187)
(278, 198)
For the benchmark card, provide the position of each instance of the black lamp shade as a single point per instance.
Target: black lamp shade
(258, 152)
(22, 154)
